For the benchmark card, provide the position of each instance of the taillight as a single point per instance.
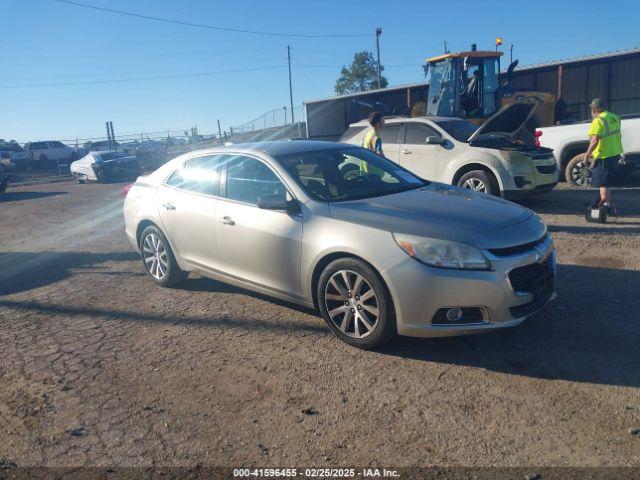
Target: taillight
(126, 189)
(537, 136)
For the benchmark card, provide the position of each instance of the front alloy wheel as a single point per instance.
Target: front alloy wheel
(355, 303)
(475, 184)
(352, 304)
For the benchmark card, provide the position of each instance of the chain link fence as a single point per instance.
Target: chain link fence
(278, 117)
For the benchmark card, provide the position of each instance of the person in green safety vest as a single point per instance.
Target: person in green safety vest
(605, 146)
(373, 142)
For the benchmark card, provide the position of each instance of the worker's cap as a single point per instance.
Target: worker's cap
(598, 104)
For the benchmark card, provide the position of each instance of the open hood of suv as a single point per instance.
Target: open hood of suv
(509, 120)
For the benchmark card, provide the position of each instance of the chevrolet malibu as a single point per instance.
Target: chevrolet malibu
(377, 250)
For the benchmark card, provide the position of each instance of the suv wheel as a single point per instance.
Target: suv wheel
(578, 172)
(355, 303)
(158, 259)
(479, 181)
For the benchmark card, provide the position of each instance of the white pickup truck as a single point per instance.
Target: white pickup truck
(570, 142)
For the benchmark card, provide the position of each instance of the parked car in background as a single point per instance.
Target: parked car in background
(378, 254)
(51, 153)
(17, 158)
(103, 166)
(570, 142)
(487, 159)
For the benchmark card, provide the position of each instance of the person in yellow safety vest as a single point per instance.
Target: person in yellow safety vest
(605, 145)
(373, 142)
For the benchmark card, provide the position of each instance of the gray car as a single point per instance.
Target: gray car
(377, 250)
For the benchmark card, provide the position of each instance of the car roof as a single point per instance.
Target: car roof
(277, 147)
(394, 119)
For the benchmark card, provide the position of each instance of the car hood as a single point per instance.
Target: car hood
(509, 120)
(448, 213)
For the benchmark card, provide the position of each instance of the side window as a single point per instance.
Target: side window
(199, 175)
(248, 179)
(416, 134)
(389, 134)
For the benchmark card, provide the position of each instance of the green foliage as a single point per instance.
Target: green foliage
(361, 75)
(11, 146)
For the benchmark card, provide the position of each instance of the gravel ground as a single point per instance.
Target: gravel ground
(101, 367)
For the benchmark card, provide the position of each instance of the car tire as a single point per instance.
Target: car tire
(4, 183)
(577, 173)
(479, 181)
(158, 259)
(356, 304)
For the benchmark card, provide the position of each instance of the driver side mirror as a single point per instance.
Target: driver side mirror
(435, 140)
(283, 203)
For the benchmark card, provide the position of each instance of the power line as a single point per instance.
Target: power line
(140, 79)
(210, 27)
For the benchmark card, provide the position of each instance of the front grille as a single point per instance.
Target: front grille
(517, 249)
(546, 169)
(529, 308)
(536, 278)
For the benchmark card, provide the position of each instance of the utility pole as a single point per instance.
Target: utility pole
(445, 47)
(219, 133)
(108, 135)
(113, 137)
(285, 114)
(378, 33)
(510, 54)
(290, 87)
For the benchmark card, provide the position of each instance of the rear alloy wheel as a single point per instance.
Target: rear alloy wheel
(578, 172)
(355, 304)
(158, 259)
(479, 181)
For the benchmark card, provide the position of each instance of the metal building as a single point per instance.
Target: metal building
(613, 76)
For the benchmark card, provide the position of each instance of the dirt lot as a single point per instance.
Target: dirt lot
(99, 366)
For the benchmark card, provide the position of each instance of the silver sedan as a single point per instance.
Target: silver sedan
(377, 250)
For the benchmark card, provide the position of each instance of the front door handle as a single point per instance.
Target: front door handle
(404, 151)
(169, 206)
(228, 221)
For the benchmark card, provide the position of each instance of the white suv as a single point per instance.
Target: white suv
(488, 159)
(51, 153)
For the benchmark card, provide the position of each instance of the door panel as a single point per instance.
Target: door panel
(425, 160)
(187, 203)
(188, 219)
(257, 245)
(390, 136)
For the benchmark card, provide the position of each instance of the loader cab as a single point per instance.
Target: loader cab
(464, 84)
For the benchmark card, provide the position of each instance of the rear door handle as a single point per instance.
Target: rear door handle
(228, 221)
(169, 206)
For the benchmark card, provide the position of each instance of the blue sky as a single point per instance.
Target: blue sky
(44, 41)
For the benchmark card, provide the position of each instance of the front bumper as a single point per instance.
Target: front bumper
(419, 291)
(540, 176)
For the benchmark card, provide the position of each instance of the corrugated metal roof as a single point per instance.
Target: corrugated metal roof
(584, 58)
(370, 92)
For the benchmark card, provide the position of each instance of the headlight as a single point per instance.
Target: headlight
(442, 253)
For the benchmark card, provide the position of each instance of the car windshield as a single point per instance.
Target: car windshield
(342, 174)
(461, 130)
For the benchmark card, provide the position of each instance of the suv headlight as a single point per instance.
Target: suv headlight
(442, 253)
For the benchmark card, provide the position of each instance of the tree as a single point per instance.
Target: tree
(362, 75)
